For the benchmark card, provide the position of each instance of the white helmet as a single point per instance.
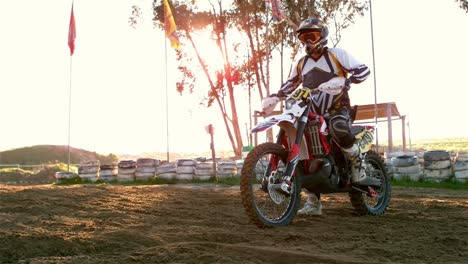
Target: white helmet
(269, 104)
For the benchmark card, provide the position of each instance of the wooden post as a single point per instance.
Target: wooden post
(210, 130)
(403, 132)
(389, 120)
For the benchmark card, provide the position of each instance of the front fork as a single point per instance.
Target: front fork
(293, 158)
(273, 163)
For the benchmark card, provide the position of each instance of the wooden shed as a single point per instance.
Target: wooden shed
(386, 112)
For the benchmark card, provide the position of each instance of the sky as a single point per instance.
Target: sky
(117, 76)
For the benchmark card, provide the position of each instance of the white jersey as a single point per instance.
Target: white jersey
(311, 73)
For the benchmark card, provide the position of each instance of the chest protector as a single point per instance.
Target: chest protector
(323, 103)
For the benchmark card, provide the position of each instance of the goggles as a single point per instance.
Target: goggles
(310, 37)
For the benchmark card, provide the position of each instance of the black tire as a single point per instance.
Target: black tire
(437, 164)
(404, 161)
(365, 205)
(435, 155)
(258, 202)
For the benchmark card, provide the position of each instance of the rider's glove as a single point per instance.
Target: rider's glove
(269, 104)
(347, 84)
(281, 94)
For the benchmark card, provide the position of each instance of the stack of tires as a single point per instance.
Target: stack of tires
(203, 171)
(239, 165)
(460, 167)
(388, 163)
(145, 169)
(61, 176)
(406, 167)
(166, 171)
(226, 169)
(108, 172)
(89, 171)
(388, 156)
(127, 170)
(185, 169)
(437, 165)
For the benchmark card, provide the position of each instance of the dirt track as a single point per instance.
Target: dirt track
(180, 224)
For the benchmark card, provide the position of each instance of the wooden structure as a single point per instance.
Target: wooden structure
(386, 112)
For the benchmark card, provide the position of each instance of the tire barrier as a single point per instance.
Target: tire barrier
(406, 167)
(435, 155)
(226, 169)
(166, 171)
(203, 171)
(127, 169)
(239, 165)
(437, 165)
(434, 165)
(89, 171)
(108, 172)
(61, 176)
(460, 167)
(461, 156)
(185, 169)
(145, 168)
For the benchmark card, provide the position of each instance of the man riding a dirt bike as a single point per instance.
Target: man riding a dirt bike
(316, 148)
(320, 65)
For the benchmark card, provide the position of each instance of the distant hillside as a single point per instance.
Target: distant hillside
(51, 154)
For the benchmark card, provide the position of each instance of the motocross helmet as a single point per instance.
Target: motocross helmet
(313, 34)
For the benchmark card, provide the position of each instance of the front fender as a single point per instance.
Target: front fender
(271, 121)
(287, 123)
(291, 132)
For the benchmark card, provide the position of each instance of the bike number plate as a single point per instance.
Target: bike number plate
(300, 93)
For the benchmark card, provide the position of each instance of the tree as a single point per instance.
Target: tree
(463, 4)
(248, 18)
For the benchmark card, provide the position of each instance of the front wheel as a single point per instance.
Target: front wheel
(364, 203)
(265, 205)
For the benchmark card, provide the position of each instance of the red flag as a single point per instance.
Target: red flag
(72, 32)
(170, 26)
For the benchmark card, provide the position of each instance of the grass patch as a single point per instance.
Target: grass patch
(234, 181)
(448, 184)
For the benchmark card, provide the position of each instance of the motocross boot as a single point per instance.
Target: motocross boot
(309, 207)
(358, 173)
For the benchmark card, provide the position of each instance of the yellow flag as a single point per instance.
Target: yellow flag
(170, 26)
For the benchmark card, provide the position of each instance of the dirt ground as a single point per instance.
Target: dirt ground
(207, 224)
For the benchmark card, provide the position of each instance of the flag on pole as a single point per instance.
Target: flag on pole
(170, 26)
(277, 9)
(72, 32)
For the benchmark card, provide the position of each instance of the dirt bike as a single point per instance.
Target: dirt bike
(306, 156)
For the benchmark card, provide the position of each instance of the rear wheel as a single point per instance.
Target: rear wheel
(267, 206)
(366, 204)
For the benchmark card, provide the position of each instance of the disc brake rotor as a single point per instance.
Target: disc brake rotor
(276, 195)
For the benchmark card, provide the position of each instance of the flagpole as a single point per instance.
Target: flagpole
(71, 45)
(167, 102)
(69, 112)
(167, 91)
(375, 78)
